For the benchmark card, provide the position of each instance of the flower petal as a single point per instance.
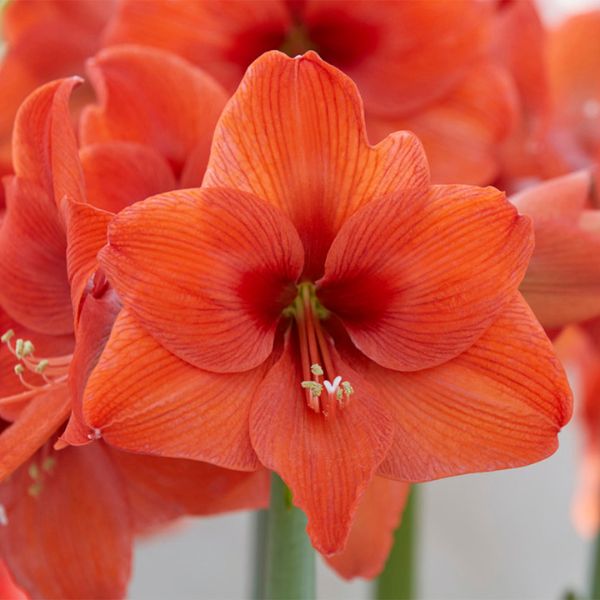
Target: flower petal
(327, 462)
(162, 489)
(118, 174)
(207, 273)
(562, 283)
(44, 144)
(417, 278)
(372, 533)
(35, 289)
(498, 405)
(86, 233)
(402, 55)
(294, 135)
(461, 132)
(44, 414)
(68, 531)
(175, 115)
(140, 397)
(221, 38)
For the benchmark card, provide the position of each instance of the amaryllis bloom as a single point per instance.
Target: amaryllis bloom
(562, 283)
(44, 40)
(423, 65)
(318, 308)
(68, 518)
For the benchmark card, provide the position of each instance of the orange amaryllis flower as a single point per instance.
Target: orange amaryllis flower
(318, 308)
(562, 283)
(421, 65)
(44, 40)
(92, 500)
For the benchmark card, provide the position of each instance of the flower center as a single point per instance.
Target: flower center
(35, 374)
(318, 372)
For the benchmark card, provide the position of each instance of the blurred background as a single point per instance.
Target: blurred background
(504, 535)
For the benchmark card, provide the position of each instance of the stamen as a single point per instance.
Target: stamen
(6, 336)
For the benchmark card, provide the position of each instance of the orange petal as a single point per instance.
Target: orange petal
(417, 278)
(176, 114)
(162, 489)
(327, 462)
(402, 55)
(44, 414)
(86, 233)
(461, 131)
(294, 135)
(118, 174)
(35, 289)
(562, 284)
(68, 530)
(221, 38)
(207, 273)
(142, 398)
(498, 405)
(372, 533)
(44, 145)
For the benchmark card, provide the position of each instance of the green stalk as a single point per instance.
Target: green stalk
(290, 558)
(595, 579)
(397, 581)
(261, 518)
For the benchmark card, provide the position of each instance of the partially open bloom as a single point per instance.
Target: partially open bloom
(317, 307)
(67, 518)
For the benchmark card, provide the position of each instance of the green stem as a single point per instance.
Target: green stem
(261, 518)
(595, 579)
(397, 581)
(290, 558)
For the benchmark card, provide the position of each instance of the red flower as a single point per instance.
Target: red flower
(92, 500)
(318, 308)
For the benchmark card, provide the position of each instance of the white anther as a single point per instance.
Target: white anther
(332, 387)
(95, 434)
(3, 516)
(6, 337)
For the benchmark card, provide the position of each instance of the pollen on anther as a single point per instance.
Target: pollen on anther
(7, 336)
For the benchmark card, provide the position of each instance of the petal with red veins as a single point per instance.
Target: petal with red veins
(498, 405)
(118, 174)
(44, 144)
(417, 278)
(162, 489)
(86, 234)
(294, 135)
(177, 111)
(35, 288)
(140, 397)
(68, 530)
(207, 273)
(327, 461)
(372, 533)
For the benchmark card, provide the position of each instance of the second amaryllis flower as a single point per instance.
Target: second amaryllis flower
(320, 309)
